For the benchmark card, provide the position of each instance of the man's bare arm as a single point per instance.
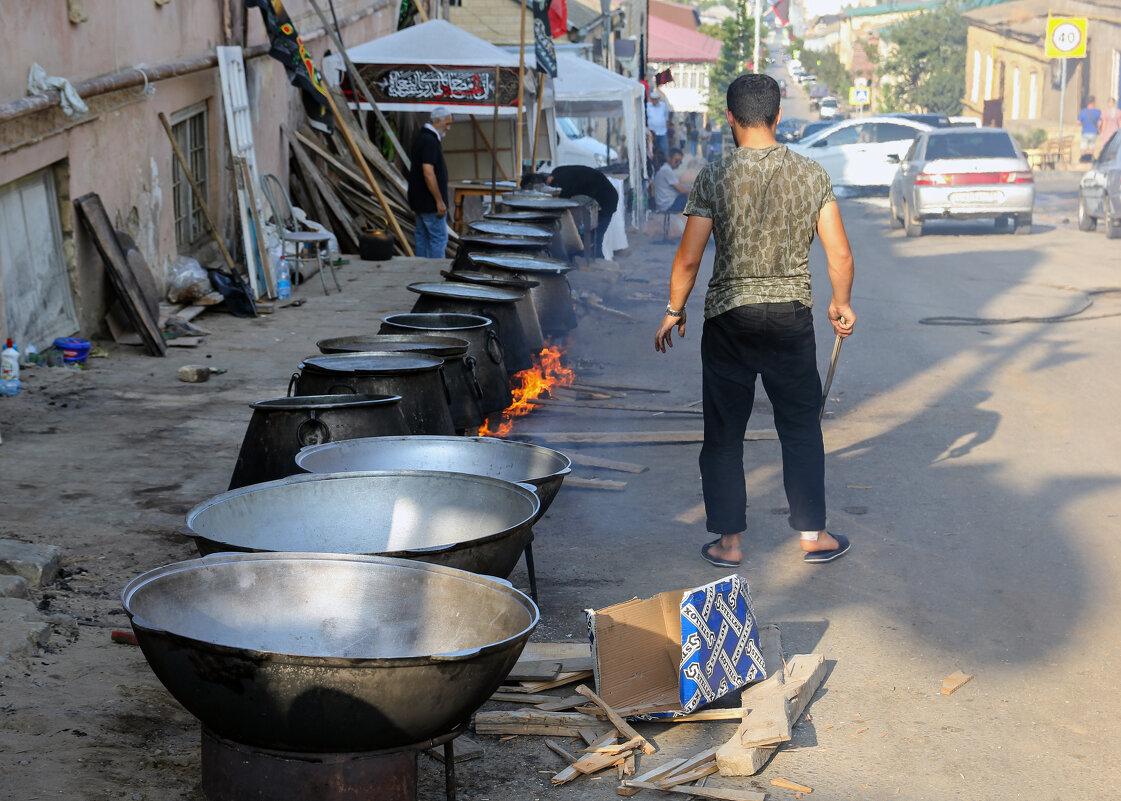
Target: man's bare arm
(433, 185)
(686, 265)
(831, 230)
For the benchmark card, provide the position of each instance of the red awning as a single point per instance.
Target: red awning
(673, 43)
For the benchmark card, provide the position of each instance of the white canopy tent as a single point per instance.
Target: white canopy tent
(435, 64)
(585, 89)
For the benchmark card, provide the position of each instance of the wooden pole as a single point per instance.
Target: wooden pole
(521, 98)
(405, 246)
(494, 153)
(537, 122)
(258, 234)
(420, 10)
(489, 147)
(360, 84)
(198, 196)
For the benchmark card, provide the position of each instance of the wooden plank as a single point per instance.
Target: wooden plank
(695, 761)
(618, 407)
(556, 650)
(723, 793)
(560, 704)
(530, 721)
(803, 676)
(526, 698)
(636, 437)
(955, 681)
(124, 282)
(559, 681)
(583, 460)
(621, 387)
(311, 173)
(689, 776)
(534, 671)
(617, 721)
(558, 749)
(567, 665)
(650, 776)
(575, 769)
(765, 721)
(577, 482)
(701, 716)
(786, 784)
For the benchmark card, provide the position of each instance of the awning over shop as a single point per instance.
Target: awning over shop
(438, 64)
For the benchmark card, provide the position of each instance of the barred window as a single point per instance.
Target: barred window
(189, 128)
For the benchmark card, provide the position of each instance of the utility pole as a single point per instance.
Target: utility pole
(758, 24)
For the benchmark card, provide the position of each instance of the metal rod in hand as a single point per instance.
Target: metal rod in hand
(829, 377)
(198, 195)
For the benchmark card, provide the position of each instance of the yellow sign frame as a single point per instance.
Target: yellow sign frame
(1066, 37)
(860, 95)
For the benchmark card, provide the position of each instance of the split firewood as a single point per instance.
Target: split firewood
(534, 671)
(955, 681)
(619, 387)
(802, 677)
(530, 721)
(559, 749)
(559, 681)
(617, 407)
(650, 776)
(559, 704)
(689, 777)
(786, 784)
(698, 763)
(592, 762)
(724, 793)
(608, 484)
(617, 721)
(607, 464)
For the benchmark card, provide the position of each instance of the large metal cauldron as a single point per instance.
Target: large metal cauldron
(552, 296)
(281, 426)
(419, 380)
(500, 305)
(469, 522)
(459, 366)
(484, 345)
(471, 242)
(318, 653)
(542, 467)
(527, 312)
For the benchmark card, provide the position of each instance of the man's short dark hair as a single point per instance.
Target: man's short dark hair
(676, 152)
(753, 100)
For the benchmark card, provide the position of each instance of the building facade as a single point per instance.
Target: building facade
(130, 66)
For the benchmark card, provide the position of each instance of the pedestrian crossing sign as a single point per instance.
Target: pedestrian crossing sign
(860, 96)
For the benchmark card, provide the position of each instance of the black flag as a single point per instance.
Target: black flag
(288, 49)
(543, 49)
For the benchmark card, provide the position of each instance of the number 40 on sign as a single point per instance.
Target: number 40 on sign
(1066, 37)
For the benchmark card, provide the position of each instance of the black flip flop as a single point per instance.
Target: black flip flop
(716, 560)
(822, 557)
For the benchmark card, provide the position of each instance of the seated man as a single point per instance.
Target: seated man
(576, 179)
(669, 193)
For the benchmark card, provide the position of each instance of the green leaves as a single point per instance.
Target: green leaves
(738, 37)
(925, 65)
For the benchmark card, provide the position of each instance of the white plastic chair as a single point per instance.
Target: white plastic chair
(290, 234)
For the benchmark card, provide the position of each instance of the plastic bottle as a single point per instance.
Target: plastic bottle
(9, 369)
(283, 279)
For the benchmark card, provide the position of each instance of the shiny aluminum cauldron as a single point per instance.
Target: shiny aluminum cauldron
(513, 461)
(464, 521)
(310, 652)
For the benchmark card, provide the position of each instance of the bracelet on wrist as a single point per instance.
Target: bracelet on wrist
(671, 312)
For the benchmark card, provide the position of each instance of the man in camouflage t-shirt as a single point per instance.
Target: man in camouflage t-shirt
(764, 205)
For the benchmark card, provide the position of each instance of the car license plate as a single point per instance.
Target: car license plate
(980, 196)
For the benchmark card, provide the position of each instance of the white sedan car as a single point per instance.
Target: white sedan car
(859, 152)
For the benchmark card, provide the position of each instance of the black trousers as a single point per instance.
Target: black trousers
(775, 341)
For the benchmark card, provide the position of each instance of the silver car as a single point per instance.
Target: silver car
(963, 174)
(1099, 193)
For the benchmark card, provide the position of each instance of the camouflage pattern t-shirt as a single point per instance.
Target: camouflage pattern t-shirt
(764, 206)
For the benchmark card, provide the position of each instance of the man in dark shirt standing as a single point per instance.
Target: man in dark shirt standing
(764, 205)
(428, 186)
(576, 179)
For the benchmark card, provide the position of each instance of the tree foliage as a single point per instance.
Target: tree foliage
(826, 65)
(924, 70)
(737, 35)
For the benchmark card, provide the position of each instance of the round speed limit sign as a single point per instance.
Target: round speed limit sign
(1066, 37)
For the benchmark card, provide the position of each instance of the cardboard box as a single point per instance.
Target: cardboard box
(671, 654)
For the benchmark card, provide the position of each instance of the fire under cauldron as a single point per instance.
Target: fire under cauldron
(319, 676)
(469, 522)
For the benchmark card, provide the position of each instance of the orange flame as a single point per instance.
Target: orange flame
(528, 385)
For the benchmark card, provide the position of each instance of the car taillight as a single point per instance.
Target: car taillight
(933, 179)
(972, 178)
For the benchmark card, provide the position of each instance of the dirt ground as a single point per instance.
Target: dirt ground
(105, 462)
